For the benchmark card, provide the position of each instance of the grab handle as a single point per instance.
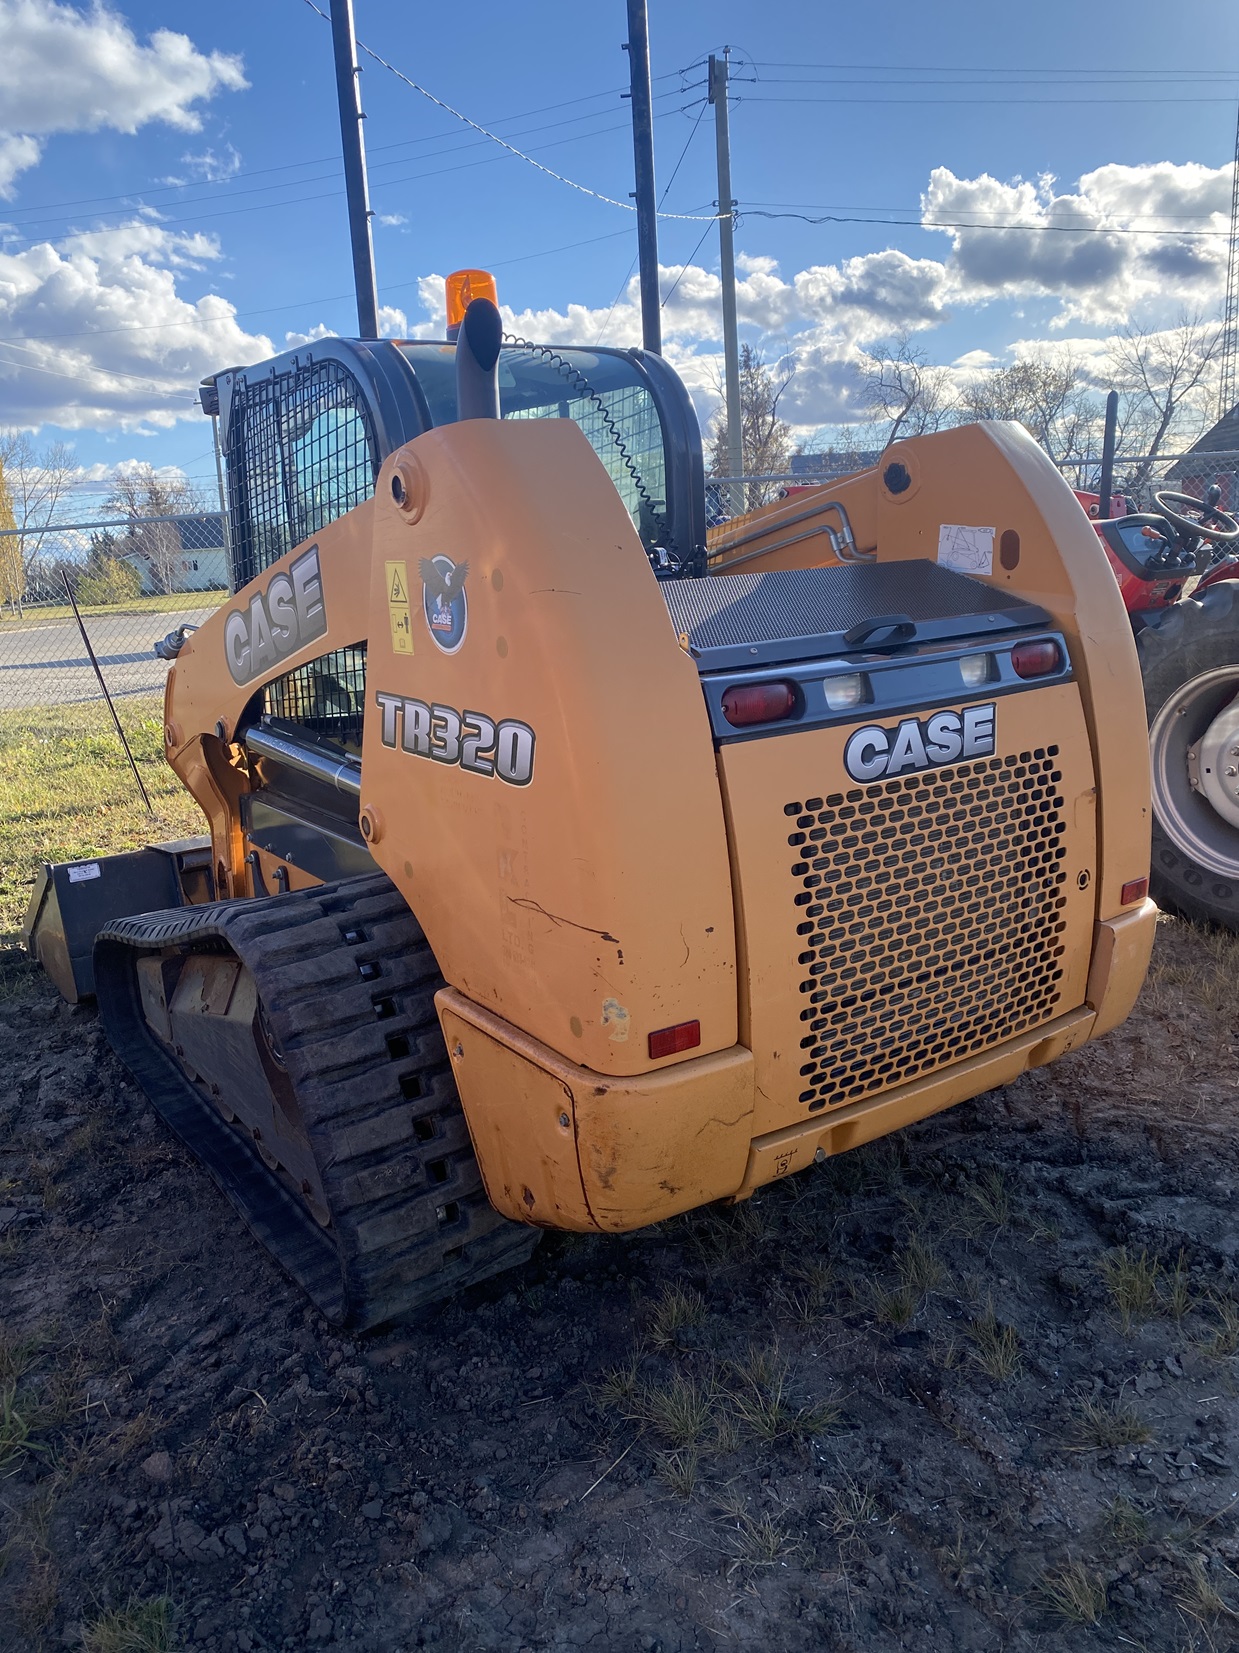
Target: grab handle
(900, 626)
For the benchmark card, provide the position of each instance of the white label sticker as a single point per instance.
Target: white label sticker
(967, 550)
(86, 870)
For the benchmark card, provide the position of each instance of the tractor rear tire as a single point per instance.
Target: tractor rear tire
(1196, 638)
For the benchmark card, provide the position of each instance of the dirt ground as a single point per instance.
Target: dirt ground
(971, 1388)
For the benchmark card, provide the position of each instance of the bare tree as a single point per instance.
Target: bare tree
(139, 493)
(35, 482)
(903, 390)
(1046, 394)
(1165, 374)
(765, 439)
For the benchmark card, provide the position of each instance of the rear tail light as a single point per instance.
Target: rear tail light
(1037, 659)
(746, 703)
(669, 1041)
(1134, 890)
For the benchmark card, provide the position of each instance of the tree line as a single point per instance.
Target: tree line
(1166, 381)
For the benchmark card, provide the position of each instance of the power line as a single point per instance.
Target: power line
(972, 103)
(950, 224)
(559, 177)
(955, 68)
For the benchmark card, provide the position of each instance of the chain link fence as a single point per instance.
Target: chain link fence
(133, 580)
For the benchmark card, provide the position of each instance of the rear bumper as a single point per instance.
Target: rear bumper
(563, 1147)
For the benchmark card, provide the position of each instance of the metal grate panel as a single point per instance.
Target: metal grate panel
(326, 697)
(930, 918)
(302, 452)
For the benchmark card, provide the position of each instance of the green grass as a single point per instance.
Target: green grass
(49, 612)
(66, 792)
(138, 1627)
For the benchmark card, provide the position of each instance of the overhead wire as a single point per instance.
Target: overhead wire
(559, 177)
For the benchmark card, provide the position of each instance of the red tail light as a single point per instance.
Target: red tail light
(1134, 890)
(1036, 659)
(758, 702)
(668, 1041)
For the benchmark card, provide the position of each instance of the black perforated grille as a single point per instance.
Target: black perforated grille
(930, 920)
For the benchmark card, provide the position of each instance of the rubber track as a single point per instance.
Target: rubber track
(410, 1219)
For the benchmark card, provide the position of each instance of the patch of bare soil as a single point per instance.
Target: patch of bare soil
(970, 1388)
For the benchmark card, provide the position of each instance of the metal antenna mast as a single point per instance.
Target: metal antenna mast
(348, 91)
(1230, 321)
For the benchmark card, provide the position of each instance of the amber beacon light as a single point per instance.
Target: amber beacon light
(463, 286)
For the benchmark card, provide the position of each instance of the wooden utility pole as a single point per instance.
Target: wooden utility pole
(348, 92)
(638, 49)
(727, 269)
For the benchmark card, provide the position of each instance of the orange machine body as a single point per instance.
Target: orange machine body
(541, 779)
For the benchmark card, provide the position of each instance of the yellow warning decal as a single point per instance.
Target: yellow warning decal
(398, 608)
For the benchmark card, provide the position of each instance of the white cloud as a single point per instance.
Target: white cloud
(392, 220)
(1119, 242)
(208, 167)
(105, 339)
(64, 70)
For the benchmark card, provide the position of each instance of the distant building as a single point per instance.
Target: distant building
(186, 554)
(1196, 470)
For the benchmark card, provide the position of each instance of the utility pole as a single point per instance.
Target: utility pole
(348, 91)
(1230, 322)
(727, 272)
(638, 50)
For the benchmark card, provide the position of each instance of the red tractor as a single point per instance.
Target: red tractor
(1177, 567)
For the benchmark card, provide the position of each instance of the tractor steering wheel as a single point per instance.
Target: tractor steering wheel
(1198, 528)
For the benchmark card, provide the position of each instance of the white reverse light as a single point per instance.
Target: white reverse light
(842, 692)
(976, 669)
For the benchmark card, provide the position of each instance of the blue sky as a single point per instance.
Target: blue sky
(174, 200)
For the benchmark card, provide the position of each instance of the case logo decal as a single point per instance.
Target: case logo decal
(918, 743)
(444, 602)
(471, 739)
(282, 617)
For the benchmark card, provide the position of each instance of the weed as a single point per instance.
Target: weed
(995, 1347)
(1098, 1424)
(894, 1305)
(1126, 1524)
(1132, 1283)
(138, 1627)
(850, 1508)
(1175, 1295)
(1225, 1339)
(760, 1400)
(1199, 1597)
(919, 1267)
(619, 1385)
(21, 1413)
(987, 1203)
(680, 1411)
(1074, 1593)
(678, 1307)
(678, 1470)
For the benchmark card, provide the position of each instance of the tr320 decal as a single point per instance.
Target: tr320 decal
(471, 739)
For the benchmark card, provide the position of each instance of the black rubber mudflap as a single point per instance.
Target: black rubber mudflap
(348, 983)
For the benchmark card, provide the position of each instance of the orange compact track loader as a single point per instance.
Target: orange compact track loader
(567, 870)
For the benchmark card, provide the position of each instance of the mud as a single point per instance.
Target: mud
(970, 1388)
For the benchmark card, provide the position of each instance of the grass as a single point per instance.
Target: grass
(676, 1310)
(1224, 1340)
(1074, 1593)
(1126, 1524)
(850, 1508)
(138, 1627)
(176, 603)
(22, 1413)
(66, 792)
(1200, 1598)
(760, 1400)
(1132, 1281)
(1099, 1425)
(995, 1347)
(681, 1411)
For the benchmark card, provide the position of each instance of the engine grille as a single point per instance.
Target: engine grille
(930, 920)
